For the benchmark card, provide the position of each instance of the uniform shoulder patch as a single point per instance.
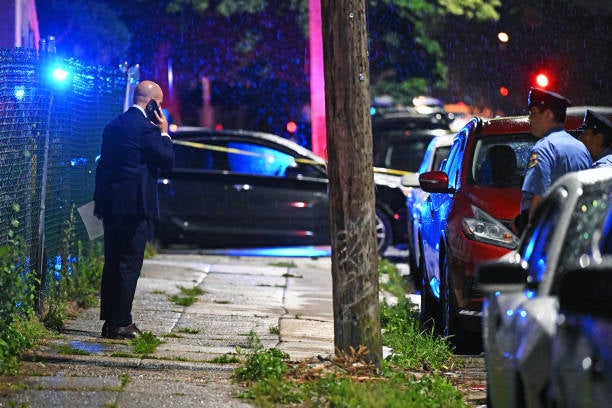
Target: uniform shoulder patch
(533, 160)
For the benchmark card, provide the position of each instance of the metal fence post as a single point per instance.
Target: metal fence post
(133, 77)
(40, 299)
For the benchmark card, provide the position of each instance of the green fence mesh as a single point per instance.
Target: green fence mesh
(70, 114)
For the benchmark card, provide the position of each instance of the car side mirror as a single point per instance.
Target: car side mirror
(507, 274)
(434, 182)
(410, 180)
(587, 291)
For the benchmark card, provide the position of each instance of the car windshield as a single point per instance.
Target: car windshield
(500, 161)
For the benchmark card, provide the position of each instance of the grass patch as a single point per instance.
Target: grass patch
(226, 359)
(188, 330)
(274, 330)
(222, 302)
(22, 333)
(151, 250)
(145, 344)
(122, 354)
(413, 349)
(412, 376)
(183, 300)
(393, 282)
(194, 291)
(187, 297)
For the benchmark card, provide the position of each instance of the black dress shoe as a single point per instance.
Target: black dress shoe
(124, 332)
(106, 330)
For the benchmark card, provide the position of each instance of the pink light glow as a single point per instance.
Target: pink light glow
(317, 80)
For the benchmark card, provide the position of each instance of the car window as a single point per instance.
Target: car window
(427, 159)
(587, 218)
(201, 156)
(605, 246)
(439, 156)
(501, 160)
(535, 249)
(249, 158)
(244, 158)
(452, 166)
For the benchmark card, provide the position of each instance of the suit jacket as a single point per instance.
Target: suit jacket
(133, 151)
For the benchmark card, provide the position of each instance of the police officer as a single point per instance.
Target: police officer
(597, 137)
(555, 153)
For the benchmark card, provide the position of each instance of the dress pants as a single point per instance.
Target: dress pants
(125, 238)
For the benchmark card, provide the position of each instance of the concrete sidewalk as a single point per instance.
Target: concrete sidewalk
(286, 302)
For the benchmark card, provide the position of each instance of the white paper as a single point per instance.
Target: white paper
(93, 224)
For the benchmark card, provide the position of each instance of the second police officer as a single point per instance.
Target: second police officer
(597, 137)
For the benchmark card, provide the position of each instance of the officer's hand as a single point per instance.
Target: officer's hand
(513, 226)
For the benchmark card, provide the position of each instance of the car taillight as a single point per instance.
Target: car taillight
(484, 228)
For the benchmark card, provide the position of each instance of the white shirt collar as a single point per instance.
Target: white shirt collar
(140, 109)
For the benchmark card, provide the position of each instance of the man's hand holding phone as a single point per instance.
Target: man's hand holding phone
(156, 116)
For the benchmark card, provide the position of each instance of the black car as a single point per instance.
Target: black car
(400, 137)
(236, 188)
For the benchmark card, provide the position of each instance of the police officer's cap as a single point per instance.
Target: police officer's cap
(546, 99)
(597, 122)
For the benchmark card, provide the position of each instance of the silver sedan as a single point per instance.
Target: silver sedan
(521, 307)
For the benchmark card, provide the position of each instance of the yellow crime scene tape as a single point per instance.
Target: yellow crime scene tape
(390, 171)
(233, 150)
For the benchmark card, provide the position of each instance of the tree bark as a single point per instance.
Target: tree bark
(351, 178)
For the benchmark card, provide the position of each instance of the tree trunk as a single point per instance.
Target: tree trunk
(351, 177)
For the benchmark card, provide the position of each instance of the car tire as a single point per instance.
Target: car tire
(383, 231)
(451, 328)
(415, 272)
(430, 315)
(430, 308)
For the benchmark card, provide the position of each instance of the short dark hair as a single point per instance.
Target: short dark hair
(559, 113)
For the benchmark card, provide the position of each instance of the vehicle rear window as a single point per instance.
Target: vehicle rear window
(500, 161)
(400, 153)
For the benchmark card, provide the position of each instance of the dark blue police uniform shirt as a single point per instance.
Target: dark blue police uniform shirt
(552, 156)
(605, 160)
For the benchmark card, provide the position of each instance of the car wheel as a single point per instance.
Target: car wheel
(430, 311)
(451, 327)
(415, 272)
(383, 231)
(430, 308)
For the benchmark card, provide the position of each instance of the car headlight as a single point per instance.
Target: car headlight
(484, 228)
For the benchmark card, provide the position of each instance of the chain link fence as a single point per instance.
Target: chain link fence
(52, 114)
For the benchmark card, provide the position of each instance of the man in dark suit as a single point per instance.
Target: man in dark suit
(134, 147)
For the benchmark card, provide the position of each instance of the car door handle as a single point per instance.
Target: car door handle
(242, 187)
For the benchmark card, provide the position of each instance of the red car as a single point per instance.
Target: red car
(466, 220)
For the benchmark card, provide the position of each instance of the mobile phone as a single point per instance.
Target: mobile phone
(151, 108)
